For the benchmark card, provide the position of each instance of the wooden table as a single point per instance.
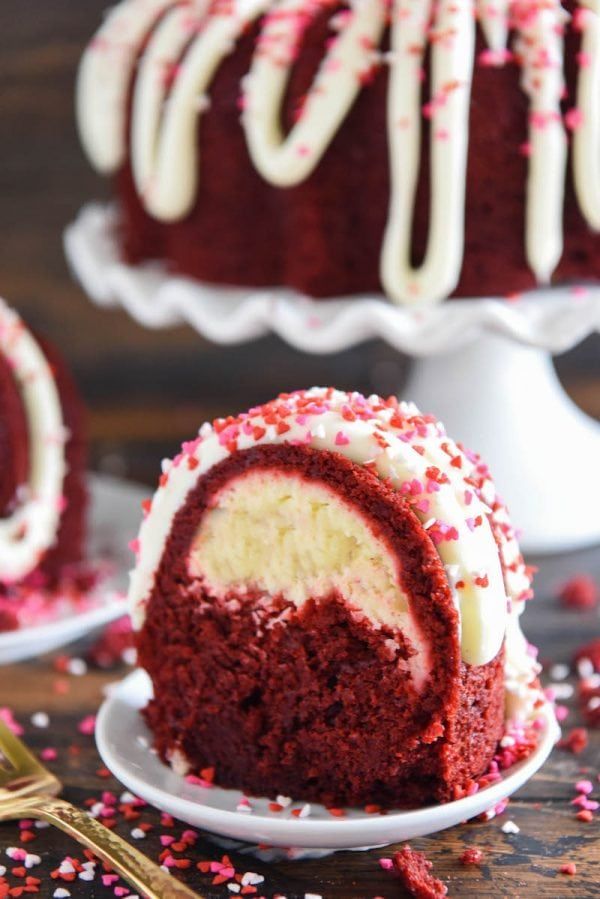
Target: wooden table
(520, 865)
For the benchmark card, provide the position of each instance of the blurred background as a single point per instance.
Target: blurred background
(146, 391)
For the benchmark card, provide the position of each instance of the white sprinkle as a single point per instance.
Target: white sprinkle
(129, 655)
(594, 703)
(203, 103)
(252, 879)
(2, 870)
(585, 667)
(138, 834)
(284, 801)
(66, 867)
(562, 691)
(40, 719)
(127, 798)
(304, 811)
(510, 827)
(319, 431)
(312, 896)
(559, 672)
(507, 741)
(77, 667)
(41, 825)
(61, 893)
(32, 860)
(429, 523)
(234, 887)
(165, 869)
(88, 876)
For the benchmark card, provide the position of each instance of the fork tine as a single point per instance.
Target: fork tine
(16, 753)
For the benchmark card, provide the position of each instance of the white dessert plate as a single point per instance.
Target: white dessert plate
(114, 519)
(124, 741)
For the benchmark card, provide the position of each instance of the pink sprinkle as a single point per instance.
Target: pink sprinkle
(574, 118)
(561, 712)
(109, 879)
(501, 806)
(134, 546)
(341, 439)
(494, 57)
(303, 150)
(7, 716)
(386, 863)
(121, 891)
(49, 754)
(584, 59)
(87, 726)
(166, 839)
(584, 786)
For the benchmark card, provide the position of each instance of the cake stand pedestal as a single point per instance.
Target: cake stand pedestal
(483, 366)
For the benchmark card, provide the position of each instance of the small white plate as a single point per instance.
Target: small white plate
(123, 742)
(114, 519)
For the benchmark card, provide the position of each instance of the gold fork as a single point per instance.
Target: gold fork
(28, 790)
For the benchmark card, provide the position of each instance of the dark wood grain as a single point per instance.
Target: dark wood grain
(519, 866)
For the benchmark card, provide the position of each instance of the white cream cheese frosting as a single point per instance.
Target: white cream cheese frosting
(177, 47)
(449, 490)
(31, 529)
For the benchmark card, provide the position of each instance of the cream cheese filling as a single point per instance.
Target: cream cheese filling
(281, 535)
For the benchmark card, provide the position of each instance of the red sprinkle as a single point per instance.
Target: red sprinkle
(580, 592)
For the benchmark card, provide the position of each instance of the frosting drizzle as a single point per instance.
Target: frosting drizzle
(178, 46)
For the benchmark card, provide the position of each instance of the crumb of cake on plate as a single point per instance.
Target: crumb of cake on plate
(327, 598)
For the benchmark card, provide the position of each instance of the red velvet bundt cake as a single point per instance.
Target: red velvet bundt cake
(326, 599)
(426, 149)
(42, 456)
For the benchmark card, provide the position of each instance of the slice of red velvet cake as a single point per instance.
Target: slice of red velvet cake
(327, 597)
(42, 464)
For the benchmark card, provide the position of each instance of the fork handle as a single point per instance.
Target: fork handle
(141, 873)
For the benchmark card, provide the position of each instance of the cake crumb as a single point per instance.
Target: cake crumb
(414, 870)
(471, 856)
(579, 592)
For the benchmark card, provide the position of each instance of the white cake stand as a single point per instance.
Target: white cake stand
(482, 366)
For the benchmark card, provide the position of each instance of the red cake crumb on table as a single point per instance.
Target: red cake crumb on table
(471, 856)
(580, 592)
(576, 741)
(414, 870)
